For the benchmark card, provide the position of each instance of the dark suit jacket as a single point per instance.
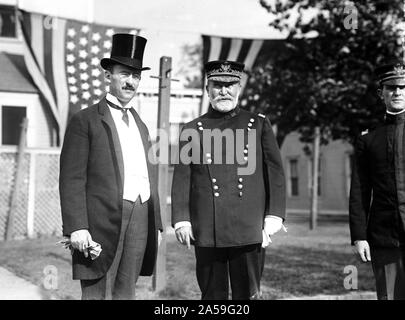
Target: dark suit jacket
(373, 205)
(229, 212)
(91, 188)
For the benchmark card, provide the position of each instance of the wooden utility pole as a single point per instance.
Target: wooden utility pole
(159, 276)
(17, 180)
(315, 174)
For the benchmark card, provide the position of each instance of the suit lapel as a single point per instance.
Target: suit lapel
(106, 117)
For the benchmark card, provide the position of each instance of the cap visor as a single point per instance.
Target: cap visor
(395, 81)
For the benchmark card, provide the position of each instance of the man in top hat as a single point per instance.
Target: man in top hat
(108, 185)
(228, 195)
(377, 195)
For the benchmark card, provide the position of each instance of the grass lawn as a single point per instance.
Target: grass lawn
(298, 263)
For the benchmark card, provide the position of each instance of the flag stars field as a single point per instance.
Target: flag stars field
(95, 61)
(71, 32)
(70, 45)
(83, 66)
(72, 80)
(71, 69)
(107, 44)
(95, 49)
(109, 32)
(83, 54)
(85, 28)
(83, 41)
(82, 46)
(70, 58)
(86, 95)
(96, 37)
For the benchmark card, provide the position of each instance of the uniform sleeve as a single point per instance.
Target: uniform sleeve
(73, 176)
(360, 192)
(273, 166)
(180, 193)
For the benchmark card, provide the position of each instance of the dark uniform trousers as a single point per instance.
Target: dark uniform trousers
(389, 272)
(243, 266)
(119, 282)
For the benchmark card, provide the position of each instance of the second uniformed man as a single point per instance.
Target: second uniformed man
(377, 194)
(228, 194)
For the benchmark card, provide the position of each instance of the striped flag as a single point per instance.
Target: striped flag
(220, 48)
(63, 58)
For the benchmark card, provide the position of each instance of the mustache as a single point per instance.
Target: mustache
(128, 88)
(223, 98)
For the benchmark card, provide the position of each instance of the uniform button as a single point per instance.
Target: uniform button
(216, 187)
(214, 180)
(200, 128)
(240, 179)
(240, 186)
(247, 146)
(199, 123)
(216, 194)
(208, 155)
(252, 120)
(248, 129)
(209, 160)
(249, 124)
(240, 194)
(245, 158)
(245, 151)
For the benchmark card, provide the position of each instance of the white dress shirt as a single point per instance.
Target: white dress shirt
(136, 178)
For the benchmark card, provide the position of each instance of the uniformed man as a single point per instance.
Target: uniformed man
(228, 195)
(377, 196)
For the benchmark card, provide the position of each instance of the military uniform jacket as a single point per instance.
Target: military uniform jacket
(226, 208)
(373, 204)
(91, 188)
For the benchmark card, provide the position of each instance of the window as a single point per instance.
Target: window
(12, 118)
(293, 168)
(7, 22)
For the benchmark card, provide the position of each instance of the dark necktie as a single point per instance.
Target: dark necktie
(125, 117)
(124, 111)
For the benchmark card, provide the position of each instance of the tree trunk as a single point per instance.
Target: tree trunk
(315, 174)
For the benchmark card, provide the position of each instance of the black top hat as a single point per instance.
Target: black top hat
(224, 70)
(392, 73)
(127, 49)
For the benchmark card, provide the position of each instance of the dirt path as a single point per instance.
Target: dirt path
(16, 288)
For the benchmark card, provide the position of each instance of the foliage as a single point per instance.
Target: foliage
(190, 66)
(323, 75)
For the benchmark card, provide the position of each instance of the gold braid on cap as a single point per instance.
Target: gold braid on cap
(224, 69)
(399, 70)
